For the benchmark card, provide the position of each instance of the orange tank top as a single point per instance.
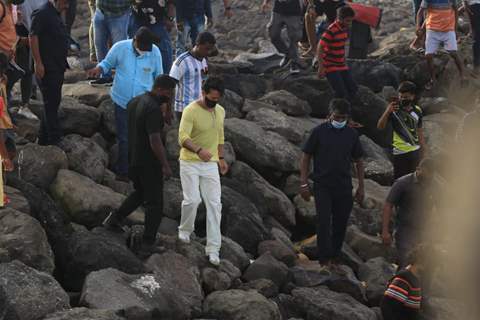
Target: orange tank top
(8, 35)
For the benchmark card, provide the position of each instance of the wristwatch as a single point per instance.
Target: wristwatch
(172, 19)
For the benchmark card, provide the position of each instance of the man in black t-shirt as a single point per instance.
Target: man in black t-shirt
(333, 146)
(49, 45)
(148, 164)
(289, 14)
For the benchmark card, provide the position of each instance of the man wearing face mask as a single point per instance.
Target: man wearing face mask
(334, 146)
(408, 142)
(137, 62)
(412, 198)
(201, 158)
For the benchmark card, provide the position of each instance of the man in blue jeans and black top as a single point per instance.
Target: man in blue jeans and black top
(158, 16)
(137, 63)
(334, 146)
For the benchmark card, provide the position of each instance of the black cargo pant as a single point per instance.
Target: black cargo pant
(333, 211)
(51, 87)
(406, 163)
(148, 185)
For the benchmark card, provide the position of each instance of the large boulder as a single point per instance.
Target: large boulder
(375, 74)
(85, 157)
(107, 111)
(240, 305)
(234, 253)
(261, 148)
(86, 202)
(91, 251)
(377, 165)
(182, 277)
(78, 118)
(287, 102)
(293, 129)
(173, 197)
(321, 303)
(23, 238)
(84, 314)
(376, 273)
(232, 103)
(29, 294)
(267, 267)
(268, 199)
(279, 250)
(86, 93)
(17, 200)
(215, 280)
(149, 295)
(306, 210)
(367, 246)
(247, 85)
(39, 165)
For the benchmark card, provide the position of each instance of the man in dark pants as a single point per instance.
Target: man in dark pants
(49, 44)
(473, 10)
(147, 160)
(333, 146)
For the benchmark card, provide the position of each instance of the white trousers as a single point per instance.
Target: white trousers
(202, 180)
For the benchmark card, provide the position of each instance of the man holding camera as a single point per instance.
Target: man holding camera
(408, 143)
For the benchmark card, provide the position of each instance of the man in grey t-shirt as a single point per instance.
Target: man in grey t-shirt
(411, 196)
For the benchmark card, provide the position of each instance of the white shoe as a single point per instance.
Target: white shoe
(184, 237)
(25, 112)
(214, 259)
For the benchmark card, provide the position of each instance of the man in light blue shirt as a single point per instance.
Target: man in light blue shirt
(137, 62)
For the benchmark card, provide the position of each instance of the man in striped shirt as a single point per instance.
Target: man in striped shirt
(331, 55)
(190, 69)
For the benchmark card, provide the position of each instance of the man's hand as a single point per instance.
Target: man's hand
(209, 22)
(419, 32)
(205, 155)
(8, 165)
(312, 13)
(305, 193)
(393, 107)
(39, 70)
(167, 172)
(94, 73)
(167, 113)
(386, 238)
(264, 7)
(321, 70)
(24, 42)
(360, 195)
(223, 165)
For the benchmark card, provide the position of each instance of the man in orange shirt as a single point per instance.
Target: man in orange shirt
(441, 21)
(8, 35)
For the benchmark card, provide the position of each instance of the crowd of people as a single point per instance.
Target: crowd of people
(153, 86)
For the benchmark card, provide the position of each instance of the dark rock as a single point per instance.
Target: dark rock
(228, 268)
(39, 165)
(168, 226)
(23, 239)
(321, 303)
(288, 307)
(173, 197)
(17, 200)
(376, 273)
(377, 164)
(107, 110)
(288, 103)
(26, 128)
(268, 199)
(234, 253)
(275, 152)
(179, 273)
(77, 118)
(279, 251)
(240, 305)
(110, 180)
(367, 247)
(253, 105)
(150, 295)
(85, 156)
(85, 93)
(280, 235)
(229, 153)
(261, 62)
(375, 74)
(267, 267)
(265, 287)
(100, 140)
(29, 294)
(232, 103)
(350, 258)
(215, 280)
(84, 314)
(246, 85)
(306, 210)
(292, 185)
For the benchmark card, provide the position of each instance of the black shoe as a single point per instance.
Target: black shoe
(294, 68)
(148, 249)
(284, 62)
(112, 223)
(122, 178)
(102, 82)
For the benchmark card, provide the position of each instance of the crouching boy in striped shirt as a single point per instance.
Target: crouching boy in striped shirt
(331, 55)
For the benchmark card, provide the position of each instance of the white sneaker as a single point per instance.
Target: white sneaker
(25, 112)
(214, 259)
(184, 237)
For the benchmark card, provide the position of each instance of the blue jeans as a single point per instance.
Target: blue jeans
(342, 84)
(165, 44)
(121, 123)
(191, 28)
(104, 28)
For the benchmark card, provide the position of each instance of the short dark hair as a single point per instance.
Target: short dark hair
(145, 38)
(3, 63)
(165, 82)
(345, 12)
(340, 106)
(206, 38)
(213, 83)
(407, 87)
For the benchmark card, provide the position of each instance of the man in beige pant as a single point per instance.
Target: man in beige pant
(201, 138)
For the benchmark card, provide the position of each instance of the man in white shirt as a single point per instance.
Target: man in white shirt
(190, 69)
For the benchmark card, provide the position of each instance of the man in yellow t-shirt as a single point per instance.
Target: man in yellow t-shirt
(441, 22)
(201, 138)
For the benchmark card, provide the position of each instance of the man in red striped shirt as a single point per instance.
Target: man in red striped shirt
(331, 55)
